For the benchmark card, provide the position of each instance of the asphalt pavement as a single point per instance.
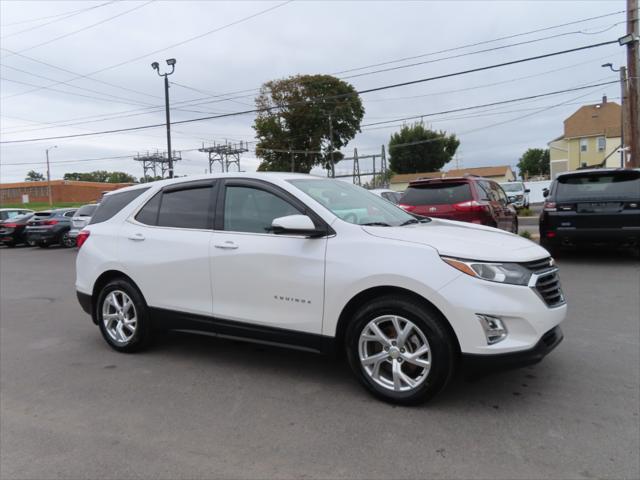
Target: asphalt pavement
(200, 407)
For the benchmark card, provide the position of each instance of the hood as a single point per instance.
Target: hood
(465, 240)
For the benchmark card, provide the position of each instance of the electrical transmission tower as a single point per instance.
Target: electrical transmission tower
(156, 164)
(225, 154)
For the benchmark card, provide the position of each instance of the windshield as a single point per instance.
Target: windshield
(353, 204)
(512, 187)
(599, 186)
(445, 193)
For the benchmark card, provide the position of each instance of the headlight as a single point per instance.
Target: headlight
(511, 273)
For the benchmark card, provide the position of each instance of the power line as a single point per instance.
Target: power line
(210, 32)
(484, 42)
(69, 15)
(68, 34)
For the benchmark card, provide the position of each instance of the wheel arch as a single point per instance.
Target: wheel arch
(104, 278)
(375, 292)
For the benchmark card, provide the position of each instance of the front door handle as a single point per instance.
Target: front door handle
(228, 245)
(136, 237)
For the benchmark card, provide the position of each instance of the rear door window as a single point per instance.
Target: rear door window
(187, 208)
(623, 185)
(112, 204)
(445, 193)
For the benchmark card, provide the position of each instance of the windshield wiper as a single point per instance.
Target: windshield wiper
(410, 221)
(375, 224)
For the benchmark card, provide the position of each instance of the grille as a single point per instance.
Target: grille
(548, 286)
(538, 266)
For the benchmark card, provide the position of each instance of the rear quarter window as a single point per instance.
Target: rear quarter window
(437, 194)
(112, 204)
(86, 210)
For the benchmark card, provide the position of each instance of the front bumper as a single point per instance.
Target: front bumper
(521, 309)
(480, 363)
(85, 301)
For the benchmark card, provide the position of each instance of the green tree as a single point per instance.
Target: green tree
(33, 176)
(295, 115)
(417, 149)
(100, 176)
(534, 162)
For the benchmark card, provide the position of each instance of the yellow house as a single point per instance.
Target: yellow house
(592, 137)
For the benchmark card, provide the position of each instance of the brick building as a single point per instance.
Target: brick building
(61, 190)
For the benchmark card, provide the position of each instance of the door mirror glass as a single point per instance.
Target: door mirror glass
(293, 224)
(545, 192)
(527, 190)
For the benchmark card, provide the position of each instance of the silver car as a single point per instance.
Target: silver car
(81, 219)
(518, 194)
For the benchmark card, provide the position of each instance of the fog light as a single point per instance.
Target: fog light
(494, 328)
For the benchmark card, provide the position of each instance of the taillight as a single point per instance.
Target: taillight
(82, 237)
(408, 208)
(471, 206)
(9, 225)
(50, 222)
(549, 207)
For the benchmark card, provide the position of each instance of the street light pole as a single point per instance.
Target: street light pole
(49, 176)
(156, 66)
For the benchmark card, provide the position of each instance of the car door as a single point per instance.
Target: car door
(503, 210)
(258, 277)
(165, 248)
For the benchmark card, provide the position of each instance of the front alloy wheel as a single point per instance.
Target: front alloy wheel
(394, 353)
(400, 349)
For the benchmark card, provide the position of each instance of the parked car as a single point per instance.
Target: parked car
(466, 199)
(390, 195)
(81, 219)
(517, 193)
(12, 231)
(9, 213)
(50, 227)
(600, 206)
(265, 257)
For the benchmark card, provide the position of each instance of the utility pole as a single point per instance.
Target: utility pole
(49, 176)
(625, 133)
(333, 163)
(156, 66)
(633, 82)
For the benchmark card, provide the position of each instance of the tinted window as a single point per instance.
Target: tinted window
(484, 191)
(596, 186)
(499, 193)
(185, 208)
(112, 204)
(149, 213)
(86, 210)
(252, 210)
(437, 194)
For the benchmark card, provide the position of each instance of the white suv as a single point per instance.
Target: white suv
(321, 265)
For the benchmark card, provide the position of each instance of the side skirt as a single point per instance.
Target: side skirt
(192, 323)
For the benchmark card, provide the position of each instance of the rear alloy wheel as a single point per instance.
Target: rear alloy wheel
(400, 350)
(122, 317)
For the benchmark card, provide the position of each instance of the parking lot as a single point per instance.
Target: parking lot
(199, 407)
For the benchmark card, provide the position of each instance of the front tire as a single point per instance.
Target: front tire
(123, 317)
(400, 350)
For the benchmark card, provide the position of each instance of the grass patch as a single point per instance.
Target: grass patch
(43, 205)
(526, 234)
(526, 212)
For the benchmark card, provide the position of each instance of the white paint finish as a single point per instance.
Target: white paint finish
(273, 280)
(186, 270)
(169, 265)
(536, 188)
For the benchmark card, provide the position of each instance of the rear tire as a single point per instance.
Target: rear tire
(123, 317)
(43, 244)
(384, 342)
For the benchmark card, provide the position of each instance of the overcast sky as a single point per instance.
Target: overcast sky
(106, 52)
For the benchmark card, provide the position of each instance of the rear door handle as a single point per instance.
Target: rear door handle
(136, 237)
(228, 245)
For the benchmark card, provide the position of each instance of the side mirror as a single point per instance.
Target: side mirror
(527, 190)
(295, 225)
(545, 192)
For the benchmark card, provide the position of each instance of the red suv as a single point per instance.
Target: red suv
(466, 199)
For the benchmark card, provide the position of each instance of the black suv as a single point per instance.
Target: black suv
(592, 207)
(47, 228)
